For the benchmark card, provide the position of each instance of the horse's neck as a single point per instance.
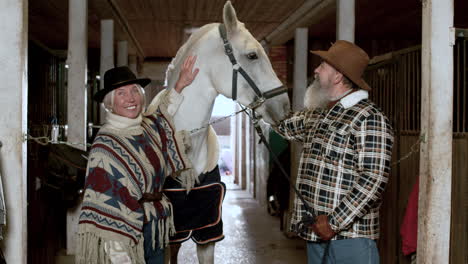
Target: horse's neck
(195, 112)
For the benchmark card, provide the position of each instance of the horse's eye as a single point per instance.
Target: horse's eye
(252, 56)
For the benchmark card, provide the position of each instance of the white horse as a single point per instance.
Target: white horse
(215, 77)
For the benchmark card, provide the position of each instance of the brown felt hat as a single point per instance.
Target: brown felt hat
(348, 59)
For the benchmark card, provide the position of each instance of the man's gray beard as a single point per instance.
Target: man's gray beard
(315, 96)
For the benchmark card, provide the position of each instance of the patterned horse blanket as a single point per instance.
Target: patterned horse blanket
(123, 165)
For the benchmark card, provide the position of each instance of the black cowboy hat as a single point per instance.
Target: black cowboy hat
(118, 77)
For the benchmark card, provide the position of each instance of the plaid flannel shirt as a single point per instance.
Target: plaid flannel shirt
(344, 165)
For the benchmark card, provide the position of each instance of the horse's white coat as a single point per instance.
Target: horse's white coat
(215, 77)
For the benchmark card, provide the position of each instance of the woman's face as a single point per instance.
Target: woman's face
(127, 101)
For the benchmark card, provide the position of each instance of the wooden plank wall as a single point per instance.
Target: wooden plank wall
(408, 171)
(459, 234)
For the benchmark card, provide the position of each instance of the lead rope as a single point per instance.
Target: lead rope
(252, 106)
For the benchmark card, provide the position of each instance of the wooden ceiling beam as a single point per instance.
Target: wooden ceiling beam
(312, 11)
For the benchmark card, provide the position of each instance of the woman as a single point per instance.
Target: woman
(124, 217)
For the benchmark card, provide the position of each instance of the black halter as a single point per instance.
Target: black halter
(261, 97)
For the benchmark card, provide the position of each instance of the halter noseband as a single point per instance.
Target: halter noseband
(236, 68)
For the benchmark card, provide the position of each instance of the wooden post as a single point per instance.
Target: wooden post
(345, 20)
(77, 72)
(107, 53)
(122, 53)
(301, 52)
(435, 183)
(14, 102)
(132, 64)
(77, 95)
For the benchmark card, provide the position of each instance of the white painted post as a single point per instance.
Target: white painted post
(107, 53)
(132, 64)
(301, 52)
(77, 72)
(243, 150)
(14, 102)
(235, 146)
(435, 183)
(247, 156)
(122, 53)
(240, 148)
(345, 20)
(77, 95)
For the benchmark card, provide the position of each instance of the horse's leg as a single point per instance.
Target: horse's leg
(205, 253)
(174, 249)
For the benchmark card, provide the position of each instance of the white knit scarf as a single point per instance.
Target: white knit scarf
(124, 124)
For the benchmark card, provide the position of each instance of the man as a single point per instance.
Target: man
(345, 161)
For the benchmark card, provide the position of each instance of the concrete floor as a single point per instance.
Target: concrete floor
(251, 235)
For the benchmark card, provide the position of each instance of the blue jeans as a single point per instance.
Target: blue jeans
(345, 251)
(156, 255)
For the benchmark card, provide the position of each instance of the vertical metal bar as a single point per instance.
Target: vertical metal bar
(456, 96)
(54, 77)
(418, 90)
(387, 89)
(465, 88)
(392, 83)
(383, 89)
(407, 104)
(411, 84)
(399, 80)
(382, 86)
(373, 78)
(378, 83)
(413, 99)
(401, 103)
(54, 87)
(410, 89)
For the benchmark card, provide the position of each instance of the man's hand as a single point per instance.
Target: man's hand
(322, 228)
(187, 74)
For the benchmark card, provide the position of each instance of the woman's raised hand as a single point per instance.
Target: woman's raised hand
(187, 73)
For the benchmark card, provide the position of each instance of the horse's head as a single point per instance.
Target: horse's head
(251, 56)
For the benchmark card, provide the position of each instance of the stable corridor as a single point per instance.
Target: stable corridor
(251, 234)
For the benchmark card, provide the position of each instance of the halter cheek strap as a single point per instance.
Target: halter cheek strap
(236, 68)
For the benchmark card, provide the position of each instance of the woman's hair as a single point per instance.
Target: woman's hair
(108, 102)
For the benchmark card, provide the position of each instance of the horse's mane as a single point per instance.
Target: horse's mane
(172, 72)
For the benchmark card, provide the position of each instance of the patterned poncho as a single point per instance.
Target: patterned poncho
(129, 157)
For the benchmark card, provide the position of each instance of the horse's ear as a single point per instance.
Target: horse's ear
(230, 17)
